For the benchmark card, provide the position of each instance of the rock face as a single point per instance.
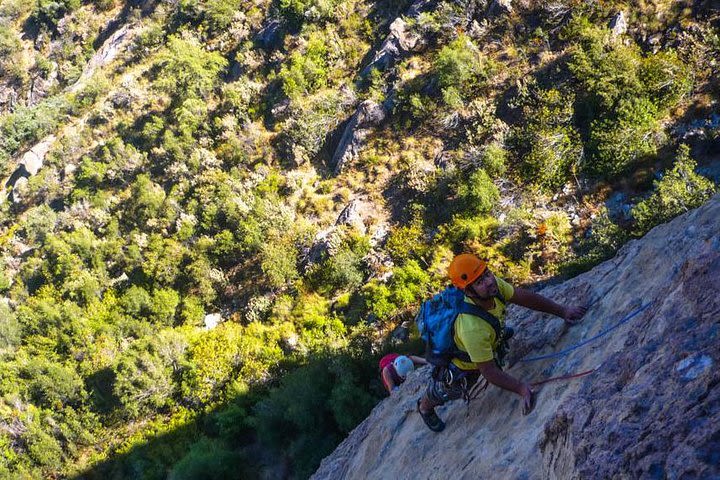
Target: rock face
(368, 115)
(650, 410)
(618, 24)
(400, 41)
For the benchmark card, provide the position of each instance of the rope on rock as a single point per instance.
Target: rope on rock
(585, 342)
(564, 377)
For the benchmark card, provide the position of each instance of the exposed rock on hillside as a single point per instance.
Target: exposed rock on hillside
(368, 115)
(650, 410)
(400, 41)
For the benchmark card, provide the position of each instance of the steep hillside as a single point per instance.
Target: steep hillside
(651, 408)
(215, 215)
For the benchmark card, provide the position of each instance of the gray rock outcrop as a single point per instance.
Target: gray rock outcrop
(618, 24)
(368, 115)
(650, 408)
(400, 41)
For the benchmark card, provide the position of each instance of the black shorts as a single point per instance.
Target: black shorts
(450, 383)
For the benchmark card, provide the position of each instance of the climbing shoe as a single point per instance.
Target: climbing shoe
(431, 419)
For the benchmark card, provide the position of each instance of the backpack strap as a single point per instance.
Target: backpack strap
(477, 311)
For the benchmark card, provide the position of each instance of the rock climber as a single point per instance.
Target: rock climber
(394, 369)
(478, 339)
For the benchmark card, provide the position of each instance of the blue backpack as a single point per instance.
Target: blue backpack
(436, 324)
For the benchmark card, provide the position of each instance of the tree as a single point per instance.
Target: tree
(619, 140)
(680, 190)
(144, 375)
(460, 67)
(477, 194)
(187, 69)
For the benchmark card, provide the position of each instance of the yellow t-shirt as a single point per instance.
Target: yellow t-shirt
(475, 336)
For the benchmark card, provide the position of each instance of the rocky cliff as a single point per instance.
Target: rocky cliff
(650, 409)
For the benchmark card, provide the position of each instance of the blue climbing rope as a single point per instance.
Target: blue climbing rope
(585, 342)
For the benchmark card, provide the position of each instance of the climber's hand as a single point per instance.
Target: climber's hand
(573, 314)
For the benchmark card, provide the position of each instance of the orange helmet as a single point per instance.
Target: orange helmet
(465, 269)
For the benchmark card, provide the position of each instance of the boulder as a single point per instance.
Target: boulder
(212, 320)
(399, 42)
(350, 215)
(618, 24)
(499, 7)
(368, 115)
(33, 159)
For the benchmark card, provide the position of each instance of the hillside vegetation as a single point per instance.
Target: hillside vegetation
(215, 213)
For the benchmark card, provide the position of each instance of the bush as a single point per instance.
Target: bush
(679, 191)
(463, 229)
(313, 408)
(9, 329)
(305, 73)
(309, 124)
(147, 197)
(299, 11)
(52, 385)
(407, 286)
(144, 375)
(461, 69)
(494, 160)
(187, 70)
(548, 145)
(207, 460)
(50, 12)
(618, 141)
(11, 65)
(604, 240)
(666, 78)
(476, 194)
(344, 269)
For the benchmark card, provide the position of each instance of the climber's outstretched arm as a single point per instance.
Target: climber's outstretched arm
(534, 301)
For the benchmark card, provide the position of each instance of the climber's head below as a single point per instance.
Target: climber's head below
(403, 365)
(470, 273)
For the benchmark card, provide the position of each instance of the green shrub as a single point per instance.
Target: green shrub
(147, 198)
(313, 408)
(408, 285)
(604, 240)
(209, 459)
(462, 229)
(407, 241)
(494, 160)
(344, 270)
(618, 141)
(10, 62)
(548, 145)
(187, 70)
(144, 375)
(50, 12)
(680, 190)
(9, 329)
(309, 124)
(278, 262)
(52, 385)
(461, 69)
(666, 78)
(299, 11)
(27, 125)
(305, 72)
(477, 194)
